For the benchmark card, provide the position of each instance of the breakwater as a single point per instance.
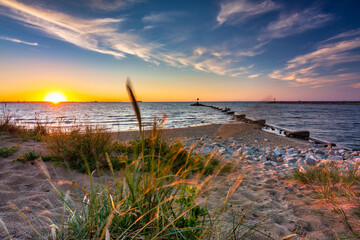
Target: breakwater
(299, 134)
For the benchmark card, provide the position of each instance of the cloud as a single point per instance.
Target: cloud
(99, 35)
(237, 11)
(112, 5)
(161, 17)
(105, 36)
(351, 33)
(319, 66)
(295, 23)
(254, 76)
(19, 41)
(355, 85)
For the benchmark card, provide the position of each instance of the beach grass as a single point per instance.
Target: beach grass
(9, 125)
(339, 188)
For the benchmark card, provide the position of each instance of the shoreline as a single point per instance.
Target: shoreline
(250, 134)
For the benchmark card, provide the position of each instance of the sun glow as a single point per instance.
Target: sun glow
(55, 97)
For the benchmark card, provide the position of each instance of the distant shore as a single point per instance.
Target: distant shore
(317, 102)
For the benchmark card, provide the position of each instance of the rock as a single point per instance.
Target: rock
(236, 153)
(336, 158)
(268, 163)
(279, 152)
(206, 150)
(299, 134)
(310, 161)
(289, 160)
(262, 158)
(248, 149)
(249, 157)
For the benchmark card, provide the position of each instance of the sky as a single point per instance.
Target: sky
(215, 50)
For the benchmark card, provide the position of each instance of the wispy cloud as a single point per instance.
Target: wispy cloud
(295, 23)
(319, 67)
(106, 36)
(112, 5)
(348, 34)
(161, 17)
(254, 76)
(99, 35)
(355, 85)
(237, 11)
(19, 41)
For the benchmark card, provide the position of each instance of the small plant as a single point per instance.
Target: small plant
(77, 146)
(7, 151)
(29, 156)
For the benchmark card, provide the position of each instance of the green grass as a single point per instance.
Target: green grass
(28, 156)
(7, 151)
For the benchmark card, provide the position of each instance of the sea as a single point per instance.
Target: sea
(337, 123)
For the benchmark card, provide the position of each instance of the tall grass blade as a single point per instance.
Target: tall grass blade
(135, 105)
(4, 228)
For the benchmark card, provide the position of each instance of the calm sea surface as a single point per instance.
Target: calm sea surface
(334, 123)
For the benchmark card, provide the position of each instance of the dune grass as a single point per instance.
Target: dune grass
(339, 187)
(10, 126)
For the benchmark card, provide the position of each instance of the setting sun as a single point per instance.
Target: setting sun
(55, 97)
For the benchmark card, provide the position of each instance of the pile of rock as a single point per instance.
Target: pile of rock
(278, 157)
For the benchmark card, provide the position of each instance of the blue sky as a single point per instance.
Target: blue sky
(180, 50)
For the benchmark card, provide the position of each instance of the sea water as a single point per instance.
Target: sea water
(331, 122)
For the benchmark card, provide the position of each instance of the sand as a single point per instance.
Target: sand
(250, 133)
(283, 206)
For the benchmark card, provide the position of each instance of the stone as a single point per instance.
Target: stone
(298, 134)
(236, 153)
(310, 161)
(249, 157)
(206, 150)
(279, 152)
(336, 158)
(262, 158)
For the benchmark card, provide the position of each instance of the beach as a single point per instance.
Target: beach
(265, 161)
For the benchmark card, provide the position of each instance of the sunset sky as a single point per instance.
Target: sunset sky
(244, 50)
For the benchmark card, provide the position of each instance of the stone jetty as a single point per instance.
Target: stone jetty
(300, 134)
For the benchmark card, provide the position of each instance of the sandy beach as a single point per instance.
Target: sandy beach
(282, 205)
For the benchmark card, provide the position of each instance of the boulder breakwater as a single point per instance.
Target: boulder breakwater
(299, 134)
